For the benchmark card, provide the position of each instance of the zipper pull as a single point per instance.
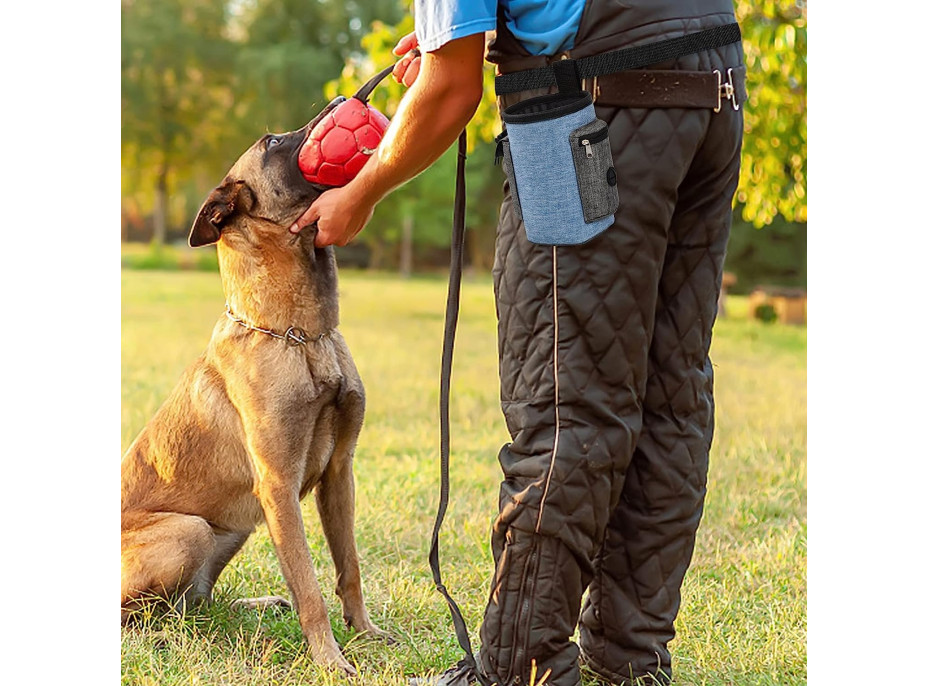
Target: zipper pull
(589, 148)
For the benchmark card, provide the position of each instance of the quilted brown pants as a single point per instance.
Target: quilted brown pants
(606, 388)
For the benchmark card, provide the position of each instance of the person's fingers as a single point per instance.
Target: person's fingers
(323, 238)
(406, 43)
(402, 68)
(346, 233)
(360, 227)
(344, 239)
(326, 236)
(411, 72)
(310, 216)
(399, 69)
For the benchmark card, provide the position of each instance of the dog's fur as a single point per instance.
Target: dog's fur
(255, 423)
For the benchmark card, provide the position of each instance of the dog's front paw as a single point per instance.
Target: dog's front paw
(345, 667)
(330, 656)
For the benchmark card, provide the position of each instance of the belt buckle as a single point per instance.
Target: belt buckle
(595, 89)
(726, 90)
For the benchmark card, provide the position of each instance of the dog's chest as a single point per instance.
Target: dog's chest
(327, 385)
(321, 451)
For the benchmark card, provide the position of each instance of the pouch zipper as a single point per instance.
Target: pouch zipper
(595, 137)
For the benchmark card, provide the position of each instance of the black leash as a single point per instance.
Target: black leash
(620, 60)
(452, 308)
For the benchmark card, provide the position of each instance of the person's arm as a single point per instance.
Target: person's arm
(430, 116)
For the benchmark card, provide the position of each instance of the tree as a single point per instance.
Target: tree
(174, 55)
(290, 49)
(775, 255)
(202, 79)
(773, 163)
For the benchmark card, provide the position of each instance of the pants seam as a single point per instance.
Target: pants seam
(557, 412)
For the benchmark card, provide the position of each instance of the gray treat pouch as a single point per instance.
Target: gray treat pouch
(565, 188)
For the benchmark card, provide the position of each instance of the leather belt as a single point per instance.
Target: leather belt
(670, 88)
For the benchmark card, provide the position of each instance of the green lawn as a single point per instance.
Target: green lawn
(743, 619)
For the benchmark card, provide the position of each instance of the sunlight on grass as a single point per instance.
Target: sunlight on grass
(743, 618)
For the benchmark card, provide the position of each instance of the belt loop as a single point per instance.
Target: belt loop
(567, 76)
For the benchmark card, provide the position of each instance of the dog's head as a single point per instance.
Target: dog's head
(263, 193)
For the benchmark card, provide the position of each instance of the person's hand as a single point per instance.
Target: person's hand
(407, 69)
(430, 116)
(338, 217)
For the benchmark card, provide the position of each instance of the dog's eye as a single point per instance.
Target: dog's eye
(271, 142)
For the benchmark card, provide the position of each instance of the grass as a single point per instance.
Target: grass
(743, 619)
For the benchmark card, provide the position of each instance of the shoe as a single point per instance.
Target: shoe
(461, 674)
(591, 674)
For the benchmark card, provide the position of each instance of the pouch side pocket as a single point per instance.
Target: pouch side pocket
(511, 175)
(596, 178)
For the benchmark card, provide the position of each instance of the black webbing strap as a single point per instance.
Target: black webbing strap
(620, 60)
(567, 77)
(447, 352)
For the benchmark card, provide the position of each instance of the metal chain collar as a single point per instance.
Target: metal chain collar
(293, 336)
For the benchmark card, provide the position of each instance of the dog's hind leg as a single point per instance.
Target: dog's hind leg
(228, 543)
(200, 588)
(163, 555)
(335, 502)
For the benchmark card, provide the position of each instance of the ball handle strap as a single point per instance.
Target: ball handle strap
(365, 90)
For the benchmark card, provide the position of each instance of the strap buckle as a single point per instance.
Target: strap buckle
(594, 91)
(727, 91)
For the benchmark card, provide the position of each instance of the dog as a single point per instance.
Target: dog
(269, 412)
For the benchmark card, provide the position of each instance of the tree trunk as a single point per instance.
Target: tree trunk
(481, 230)
(406, 247)
(377, 254)
(161, 208)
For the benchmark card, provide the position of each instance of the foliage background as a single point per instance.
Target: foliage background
(201, 79)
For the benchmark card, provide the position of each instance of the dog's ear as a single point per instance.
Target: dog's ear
(220, 206)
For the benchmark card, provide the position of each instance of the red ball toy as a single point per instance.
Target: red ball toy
(342, 142)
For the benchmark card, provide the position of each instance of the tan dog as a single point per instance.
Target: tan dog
(260, 419)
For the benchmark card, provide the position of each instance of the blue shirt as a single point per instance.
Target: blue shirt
(543, 27)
